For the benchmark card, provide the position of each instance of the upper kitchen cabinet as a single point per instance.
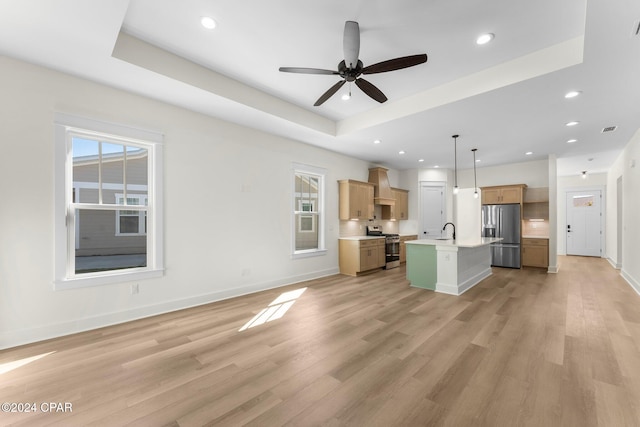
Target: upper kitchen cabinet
(536, 203)
(356, 199)
(503, 194)
(400, 210)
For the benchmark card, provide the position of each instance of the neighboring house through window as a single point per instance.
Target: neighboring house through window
(308, 211)
(101, 168)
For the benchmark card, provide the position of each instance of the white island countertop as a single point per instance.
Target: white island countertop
(466, 243)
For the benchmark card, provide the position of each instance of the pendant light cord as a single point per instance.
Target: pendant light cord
(455, 161)
(475, 178)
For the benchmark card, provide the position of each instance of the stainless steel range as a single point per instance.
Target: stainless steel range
(391, 245)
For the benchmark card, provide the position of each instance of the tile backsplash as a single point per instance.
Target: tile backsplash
(359, 228)
(535, 228)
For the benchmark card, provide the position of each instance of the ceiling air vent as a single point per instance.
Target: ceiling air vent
(609, 129)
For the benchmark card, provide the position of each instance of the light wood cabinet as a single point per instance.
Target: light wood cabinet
(538, 210)
(403, 246)
(399, 211)
(356, 200)
(360, 256)
(502, 194)
(535, 252)
(536, 203)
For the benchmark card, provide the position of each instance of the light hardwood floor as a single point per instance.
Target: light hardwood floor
(521, 348)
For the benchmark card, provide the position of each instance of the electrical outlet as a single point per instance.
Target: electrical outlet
(135, 289)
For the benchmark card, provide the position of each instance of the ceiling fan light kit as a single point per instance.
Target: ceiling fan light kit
(351, 67)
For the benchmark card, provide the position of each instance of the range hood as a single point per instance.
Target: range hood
(382, 192)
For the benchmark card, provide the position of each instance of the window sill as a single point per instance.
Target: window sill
(309, 253)
(106, 279)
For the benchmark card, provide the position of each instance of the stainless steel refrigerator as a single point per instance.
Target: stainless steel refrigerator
(503, 221)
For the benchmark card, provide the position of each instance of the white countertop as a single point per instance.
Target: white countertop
(467, 243)
(360, 237)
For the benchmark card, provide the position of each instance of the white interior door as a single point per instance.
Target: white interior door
(584, 233)
(432, 210)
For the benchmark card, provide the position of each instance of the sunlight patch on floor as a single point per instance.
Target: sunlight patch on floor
(275, 310)
(10, 366)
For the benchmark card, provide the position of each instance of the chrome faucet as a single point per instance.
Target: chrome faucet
(454, 229)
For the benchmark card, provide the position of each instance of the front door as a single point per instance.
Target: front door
(584, 233)
(432, 211)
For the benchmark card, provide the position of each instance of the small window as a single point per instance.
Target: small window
(128, 222)
(108, 203)
(308, 215)
(583, 201)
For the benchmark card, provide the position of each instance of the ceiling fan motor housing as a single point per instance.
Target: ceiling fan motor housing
(350, 74)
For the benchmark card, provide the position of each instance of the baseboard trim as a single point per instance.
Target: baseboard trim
(635, 284)
(614, 264)
(464, 286)
(30, 335)
(553, 269)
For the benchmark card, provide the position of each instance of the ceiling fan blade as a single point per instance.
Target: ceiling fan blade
(395, 64)
(328, 94)
(301, 70)
(351, 44)
(371, 90)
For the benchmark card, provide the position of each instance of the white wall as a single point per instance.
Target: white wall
(616, 171)
(213, 230)
(534, 174)
(410, 179)
(574, 182)
(553, 217)
(631, 192)
(467, 215)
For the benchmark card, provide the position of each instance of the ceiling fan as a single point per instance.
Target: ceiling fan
(351, 68)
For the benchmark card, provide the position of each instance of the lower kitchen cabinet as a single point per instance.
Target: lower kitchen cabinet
(403, 247)
(535, 252)
(360, 256)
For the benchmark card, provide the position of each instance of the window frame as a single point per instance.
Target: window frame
(297, 209)
(69, 126)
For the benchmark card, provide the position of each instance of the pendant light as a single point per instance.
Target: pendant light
(584, 174)
(475, 178)
(455, 164)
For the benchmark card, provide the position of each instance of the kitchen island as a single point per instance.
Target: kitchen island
(449, 266)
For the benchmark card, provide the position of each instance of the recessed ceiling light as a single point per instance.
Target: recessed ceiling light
(208, 22)
(572, 94)
(485, 38)
(401, 152)
(571, 123)
(436, 166)
(571, 141)
(528, 153)
(377, 141)
(477, 160)
(421, 160)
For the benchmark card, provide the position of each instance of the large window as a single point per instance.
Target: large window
(308, 215)
(108, 203)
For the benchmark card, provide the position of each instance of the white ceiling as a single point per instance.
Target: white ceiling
(504, 98)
